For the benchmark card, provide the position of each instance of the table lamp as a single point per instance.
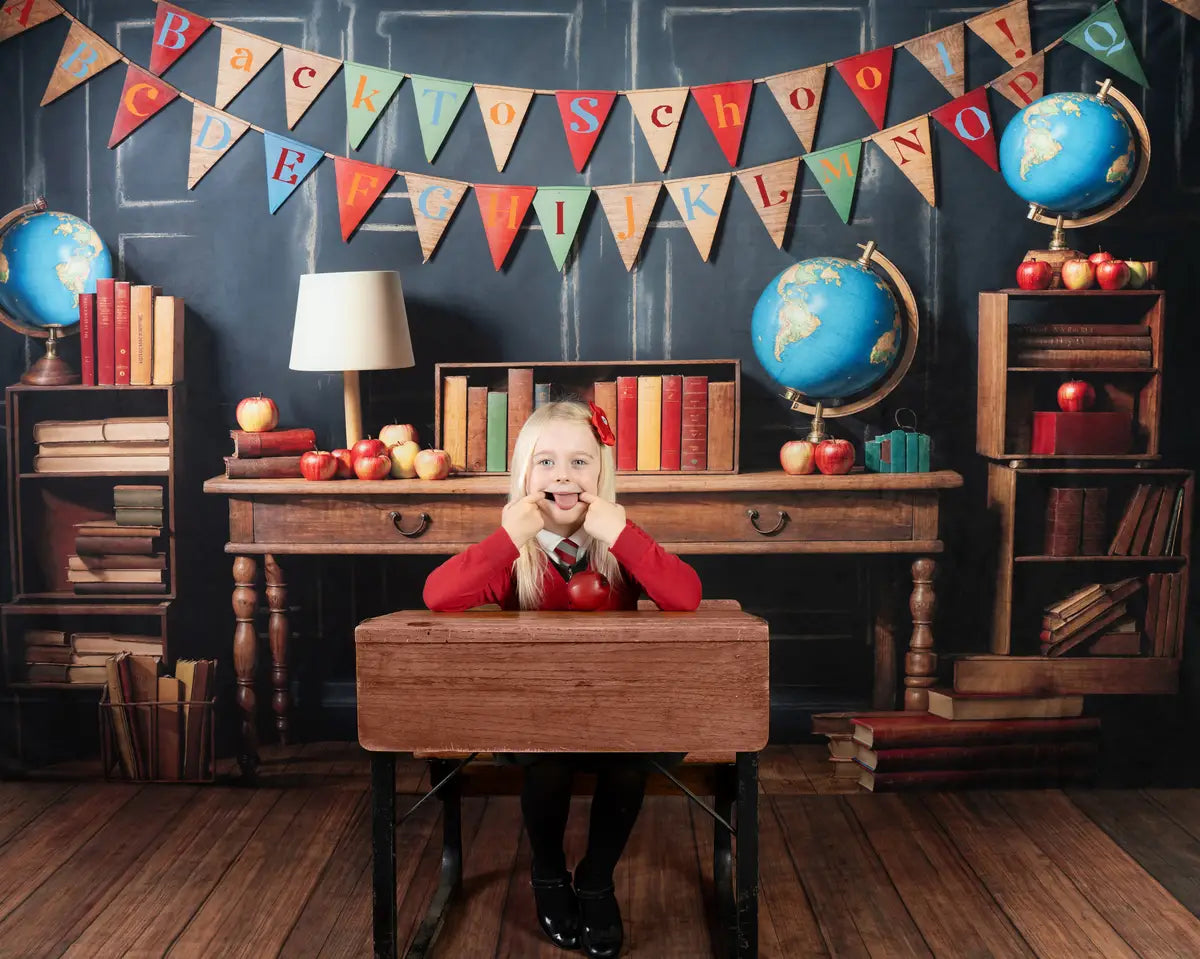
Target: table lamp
(350, 322)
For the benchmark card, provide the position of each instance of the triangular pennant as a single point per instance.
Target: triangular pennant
(559, 210)
(242, 56)
(213, 133)
(1190, 7)
(771, 188)
(503, 210)
(1006, 30)
(83, 56)
(658, 113)
(628, 209)
(726, 107)
(142, 96)
(1103, 36)
(305, 75)
(943, 53)
(175, 30)
(358, 187)
(503, 110)
(17, 16)
(434, 201)
(288, 163)
(799, 94)
(1022, 85)
(836, 169)
(583, 114)
(438, 103)
(910, 147)
(869, 75)
(970, 119)
(368, 91)
(701, 201)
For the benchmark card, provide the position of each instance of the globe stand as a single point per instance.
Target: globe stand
(1058, 253)
(51, 369)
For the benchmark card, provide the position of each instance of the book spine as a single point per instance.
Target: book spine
(1118, 643)
(87, 339)
(958, 778)
(168, 340)
(272, 443)
(721, 415)
(454, 420)
(649, 422)
(888, 733)
(1064, 521)
(672, 421)
(1077, 329)
(138, 516)
(106, 334)
(121, 332)
(1080, 359)
(268, 467)
(520, 404)
(1129, 520)
(1162, 521)
(1141, 534)
(477, 426)
(541, 394)
(497, 431)
(998, 756)
(114, 545)
(141, 335)
(119, 587)
(693, 441)
(117, 561)
(627, 417)
(1022, 343)
(1092, 539)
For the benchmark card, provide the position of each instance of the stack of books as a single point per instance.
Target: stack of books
(1166, 602)
(1080, 345)
(50, 657)
(123, 554)
(1149, 524)
(130, 335)
(271, 454)
(127, 444)
(1094, 620)
(838, 730)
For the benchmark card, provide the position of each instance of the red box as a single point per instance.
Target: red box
(1080, 434)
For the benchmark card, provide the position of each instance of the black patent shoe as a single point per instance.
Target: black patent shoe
(601, 932)
(557, 910)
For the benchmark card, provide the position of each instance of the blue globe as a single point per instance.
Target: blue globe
(46, 260)
(1068, 152)
(827, 328)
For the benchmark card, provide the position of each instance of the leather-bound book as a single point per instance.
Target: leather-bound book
(1093, 540)
(721, 413)
(627, 420)
(672, 421)
(272, 443)
(269, 467)
(922, 729)
(477, 427)
(694, 438)
(1064, 521)
(520, 405)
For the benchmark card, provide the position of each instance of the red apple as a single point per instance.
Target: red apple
(1078, 274)
(373, 466)
(432, 464)
(395, 433)
(1100, 256)
(318, 465)
(1075, 396)
(588, 590)
(1112, 275)
(345, 463)
(1034, 275)
(257, 414)
(796, 457)
(834, 456)
(367, 447)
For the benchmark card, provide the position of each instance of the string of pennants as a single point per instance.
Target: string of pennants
(700, 200)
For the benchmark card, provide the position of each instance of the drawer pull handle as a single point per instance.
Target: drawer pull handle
(410, 533)
(753, 515)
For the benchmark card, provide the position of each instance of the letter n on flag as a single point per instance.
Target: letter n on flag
(869, 75)
(583, 115)
(359, 185)
(142, 96)
(725, 106)
(969, 118)
(910, 147)
(503, 209)
(175, 30)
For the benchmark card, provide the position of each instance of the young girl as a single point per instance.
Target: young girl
(560, 519)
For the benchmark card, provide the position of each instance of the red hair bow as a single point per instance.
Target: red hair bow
(600, 424)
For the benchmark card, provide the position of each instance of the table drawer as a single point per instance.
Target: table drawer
(415, 523)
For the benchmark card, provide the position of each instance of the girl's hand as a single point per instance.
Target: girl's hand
(523, 519)
(604, 521)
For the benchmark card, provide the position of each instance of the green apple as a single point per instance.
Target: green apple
(1138, 274)
(404, 457)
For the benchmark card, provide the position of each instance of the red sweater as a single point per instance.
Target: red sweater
(483, 573)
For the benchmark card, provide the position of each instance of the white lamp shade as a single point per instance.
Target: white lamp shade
(351, 321)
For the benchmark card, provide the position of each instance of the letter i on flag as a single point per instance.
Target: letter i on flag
(836, 169)
(142, 96)
(83, 56)
(503, 209)
(17, 16)
(288, 163)
(559, 210)
(175, 30)
(1103, 36)
(359, 185)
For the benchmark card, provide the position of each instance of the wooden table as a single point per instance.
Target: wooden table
(859, 514)
(642, 682)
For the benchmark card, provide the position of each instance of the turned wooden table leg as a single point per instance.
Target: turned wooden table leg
(277, 631)
(883, 623)
(920, 665)
(245, 658)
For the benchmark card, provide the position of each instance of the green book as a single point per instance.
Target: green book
(144, 496)
(138, 516)
(497, 432)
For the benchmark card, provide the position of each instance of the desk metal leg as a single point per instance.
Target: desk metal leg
(726, 795)
(277, 631)
(747, 856)
(920, 665)
(245, 658)
(383, 854)
(450, 883)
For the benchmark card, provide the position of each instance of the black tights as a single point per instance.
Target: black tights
(546, 802)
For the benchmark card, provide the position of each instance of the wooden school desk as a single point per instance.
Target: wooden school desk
(493, 682)
(860, 514)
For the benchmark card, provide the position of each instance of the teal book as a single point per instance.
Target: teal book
(541, 394)
(497, 432)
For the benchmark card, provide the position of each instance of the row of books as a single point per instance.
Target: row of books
(1095, 620)
(130, 335)
(55, 656)
(270, 454)
(1150, 523)
(1076, 523)
(671, 422)
(126, 444)
(1080, 345)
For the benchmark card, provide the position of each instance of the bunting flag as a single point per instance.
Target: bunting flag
(1006, 30)
(83, 56)
(1190, 7)
(910, 147)
(503, 110)
(869, 75)
(142, 96)
(559, 210)
(701, 210)
(438, 104)
(1103, 36)
(583, 115)
(943, 54)
(628, 209)
(658, 114)
(288, 163)
(1022, 85)
(726, 106)
(798, 94)
(213, 133)
(359, 185)
(503, 210)
(305, 76)
(836, 169)
(242, 56)
(175, 30)
(17, 16)
(434, 201)
(970, 119)
(368, 90)
(771, 188)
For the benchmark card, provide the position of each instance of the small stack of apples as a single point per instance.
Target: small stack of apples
(830, 456)
(1100, 269)
(395, 453)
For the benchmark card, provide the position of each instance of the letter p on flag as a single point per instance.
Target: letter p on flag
(175, 30)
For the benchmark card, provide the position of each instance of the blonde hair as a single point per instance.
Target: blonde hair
(529, 568)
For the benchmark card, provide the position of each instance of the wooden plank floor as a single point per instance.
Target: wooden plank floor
(94, 869)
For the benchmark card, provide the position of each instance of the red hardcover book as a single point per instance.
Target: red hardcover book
(672, 422)
(887, 732)
(122, 337)
(1081, 434)
(694, 439)
(268, 467)
(87, 339)
(627, 414)
(997, 756)
(962, 778)
(272, 443)
(106, 334)
(520, 404)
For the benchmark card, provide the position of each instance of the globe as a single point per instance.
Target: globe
(1068, 152)
(827, 327)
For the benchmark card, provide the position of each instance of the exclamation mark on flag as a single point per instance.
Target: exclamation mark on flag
(1002, 26)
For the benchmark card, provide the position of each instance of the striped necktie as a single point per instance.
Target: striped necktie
(567, 552)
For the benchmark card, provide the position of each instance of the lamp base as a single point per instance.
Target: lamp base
(352, 402)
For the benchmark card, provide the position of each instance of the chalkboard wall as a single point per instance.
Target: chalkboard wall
(238, 266)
